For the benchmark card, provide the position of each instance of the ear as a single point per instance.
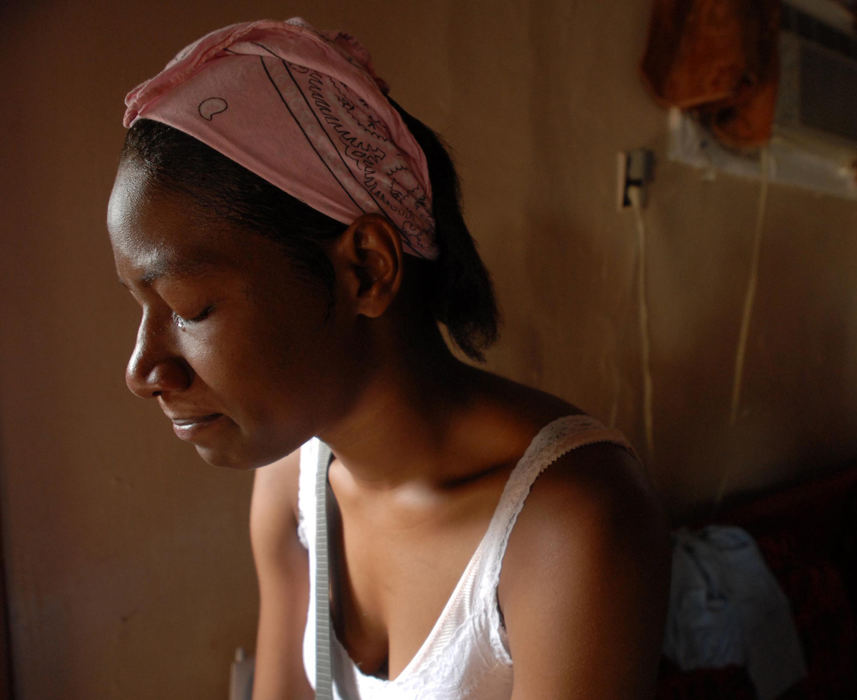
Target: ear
(369, 254)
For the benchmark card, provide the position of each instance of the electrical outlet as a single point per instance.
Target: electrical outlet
(634, 169)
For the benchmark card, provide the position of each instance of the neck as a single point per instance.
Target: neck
(406, 418)
(419, 416)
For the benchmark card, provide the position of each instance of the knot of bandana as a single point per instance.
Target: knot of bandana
(304, 110)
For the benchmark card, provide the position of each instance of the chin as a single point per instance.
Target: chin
(243, 460)
(217, 458)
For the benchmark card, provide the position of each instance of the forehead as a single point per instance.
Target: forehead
(155, 232)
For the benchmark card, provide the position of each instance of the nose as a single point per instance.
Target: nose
(155, 367)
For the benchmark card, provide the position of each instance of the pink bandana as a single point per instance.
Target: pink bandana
(304, 110)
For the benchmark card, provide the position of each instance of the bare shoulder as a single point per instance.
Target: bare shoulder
(274, 507)
(281, 567)
(596, 486)
(595, 499)
(585, 578)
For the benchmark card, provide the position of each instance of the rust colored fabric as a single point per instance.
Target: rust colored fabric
(718, 59)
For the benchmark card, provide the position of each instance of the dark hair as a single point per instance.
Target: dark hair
(457, 286)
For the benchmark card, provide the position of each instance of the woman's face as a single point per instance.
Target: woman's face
(240, 352)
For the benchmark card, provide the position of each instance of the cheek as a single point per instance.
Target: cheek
(208, 354)
(306, 375)
(259, 361)
(274, 357)
(295, 361)
(294, 336)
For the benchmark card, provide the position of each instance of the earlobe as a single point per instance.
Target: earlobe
(371, 249)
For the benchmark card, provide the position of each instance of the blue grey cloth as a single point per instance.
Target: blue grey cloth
(726, 608)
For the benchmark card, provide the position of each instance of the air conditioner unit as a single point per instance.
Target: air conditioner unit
(814, 144)
(817, 92)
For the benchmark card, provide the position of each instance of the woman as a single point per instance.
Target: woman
(294, 239)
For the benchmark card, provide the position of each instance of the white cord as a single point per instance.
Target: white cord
(750, 296)
(747, 315)
(634, 195)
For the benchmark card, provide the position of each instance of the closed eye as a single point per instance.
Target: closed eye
(181, 322)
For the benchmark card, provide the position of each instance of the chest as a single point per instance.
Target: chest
(394, 568)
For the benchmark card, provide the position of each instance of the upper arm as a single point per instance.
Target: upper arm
(282, 571)
(585, 580)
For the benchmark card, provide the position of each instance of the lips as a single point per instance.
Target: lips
(189, 427)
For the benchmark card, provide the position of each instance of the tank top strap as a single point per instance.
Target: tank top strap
(306, 491)
(556, 439)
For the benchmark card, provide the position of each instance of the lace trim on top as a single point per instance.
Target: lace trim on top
(554, 441)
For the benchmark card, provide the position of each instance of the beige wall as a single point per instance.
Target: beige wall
(128, 571)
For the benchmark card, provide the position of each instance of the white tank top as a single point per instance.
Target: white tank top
(466, 654)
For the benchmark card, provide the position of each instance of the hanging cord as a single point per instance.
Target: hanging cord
(750, 297)
(749, 301)
(648, 423)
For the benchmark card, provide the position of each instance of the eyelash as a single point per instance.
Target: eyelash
(182, 322)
